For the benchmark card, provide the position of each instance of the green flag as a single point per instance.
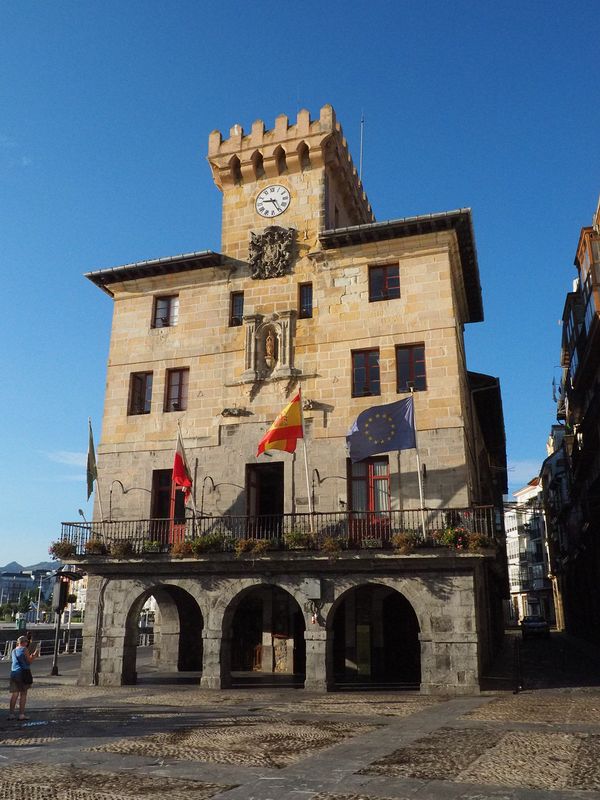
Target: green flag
(92, 471)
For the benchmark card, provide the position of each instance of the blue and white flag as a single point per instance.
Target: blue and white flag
(382, 428)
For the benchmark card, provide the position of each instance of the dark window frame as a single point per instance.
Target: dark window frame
(140, 393)
(165, 318)
(371, 481)
(390, 274)
(236, 316)
(417, 368)
(176, 400)
(305, 305)
(371, 382)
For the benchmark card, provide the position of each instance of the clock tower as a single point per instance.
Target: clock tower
(299, 177)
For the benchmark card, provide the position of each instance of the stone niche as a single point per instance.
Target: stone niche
(269, 347)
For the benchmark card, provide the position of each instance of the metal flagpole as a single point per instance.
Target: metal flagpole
(421, 501)
(310, 506)
(99, 499)
(95, 477)
(187, 466)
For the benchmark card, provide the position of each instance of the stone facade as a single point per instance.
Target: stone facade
(239, 379)
(441, 590)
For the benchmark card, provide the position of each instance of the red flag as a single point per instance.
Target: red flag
(181, 472)
(286, 430)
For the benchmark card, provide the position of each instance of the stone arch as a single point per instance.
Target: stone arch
(280, 160)
(178, 629)
(373, 637)
(303, 154)
(257, 164)
(235, 169)
(263, 634)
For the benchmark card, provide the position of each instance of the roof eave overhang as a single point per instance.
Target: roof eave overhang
(186, 262)
(459, 221)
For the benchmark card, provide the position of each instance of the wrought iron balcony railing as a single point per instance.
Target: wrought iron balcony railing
(461, 529)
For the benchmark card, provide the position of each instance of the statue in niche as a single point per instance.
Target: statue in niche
(270, 350)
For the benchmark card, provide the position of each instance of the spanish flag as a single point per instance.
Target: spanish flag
(286, 430)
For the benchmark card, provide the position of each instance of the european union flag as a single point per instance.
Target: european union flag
(382, 428)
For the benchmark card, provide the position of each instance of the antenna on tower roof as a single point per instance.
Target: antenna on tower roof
(362, 136)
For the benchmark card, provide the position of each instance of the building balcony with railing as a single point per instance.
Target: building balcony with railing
(403, 532)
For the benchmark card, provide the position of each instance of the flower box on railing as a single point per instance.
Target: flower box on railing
(403, 531)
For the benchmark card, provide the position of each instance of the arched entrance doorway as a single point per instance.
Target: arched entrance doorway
(263, 639)
(375, 640)
(172, 641)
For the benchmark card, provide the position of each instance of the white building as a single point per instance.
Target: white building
(527, 553)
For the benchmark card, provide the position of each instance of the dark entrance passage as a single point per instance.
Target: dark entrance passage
(376, 640)
(268, 647)
(264, 493)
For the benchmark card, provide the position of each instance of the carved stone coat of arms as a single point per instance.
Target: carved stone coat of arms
(270, 253)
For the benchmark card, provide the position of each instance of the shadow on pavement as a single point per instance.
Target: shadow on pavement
(558, 662)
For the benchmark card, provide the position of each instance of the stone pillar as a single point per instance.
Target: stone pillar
(252, 321)
(216, 660)
(92, 632)
(111, 672)
(267, 650)
(449, 664)
(167, 659)
(316, 659)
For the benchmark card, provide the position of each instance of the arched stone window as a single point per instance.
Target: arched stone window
(279, 155)
(236, 169)
(303, 156)
(257, 163)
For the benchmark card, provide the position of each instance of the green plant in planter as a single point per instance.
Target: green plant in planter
(121, 548)
(254, 546)
(455, 537)
(298, 540)
(405, 542)
(332, 545)
(182, 549)
(479, 541)
(62, 550)
(151, 546)
(209, 543)
(95, 547)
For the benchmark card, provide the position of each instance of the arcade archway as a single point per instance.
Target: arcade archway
(263, 638)
(374, 638)
(176, 641)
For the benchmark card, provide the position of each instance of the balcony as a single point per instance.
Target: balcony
(461, 529)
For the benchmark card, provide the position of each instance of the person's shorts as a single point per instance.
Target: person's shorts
(17, 685)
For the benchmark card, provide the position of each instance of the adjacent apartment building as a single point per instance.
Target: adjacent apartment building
(330, 572)
(572, 475)
(527, 553)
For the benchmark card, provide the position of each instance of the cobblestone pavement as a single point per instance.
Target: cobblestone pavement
(153, 741)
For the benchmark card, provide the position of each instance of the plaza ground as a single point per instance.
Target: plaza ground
(163, 738)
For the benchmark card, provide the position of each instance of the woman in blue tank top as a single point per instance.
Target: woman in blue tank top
(20, 677)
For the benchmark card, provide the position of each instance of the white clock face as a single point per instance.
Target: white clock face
(272, 201)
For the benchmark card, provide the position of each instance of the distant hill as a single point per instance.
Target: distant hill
(12, 567)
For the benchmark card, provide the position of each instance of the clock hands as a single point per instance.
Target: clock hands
(275, 203)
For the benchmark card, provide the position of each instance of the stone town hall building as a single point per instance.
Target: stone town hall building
(307, 292)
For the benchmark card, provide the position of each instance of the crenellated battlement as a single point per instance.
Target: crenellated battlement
(286, 150)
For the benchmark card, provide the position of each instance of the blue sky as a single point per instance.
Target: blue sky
(105, 111)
